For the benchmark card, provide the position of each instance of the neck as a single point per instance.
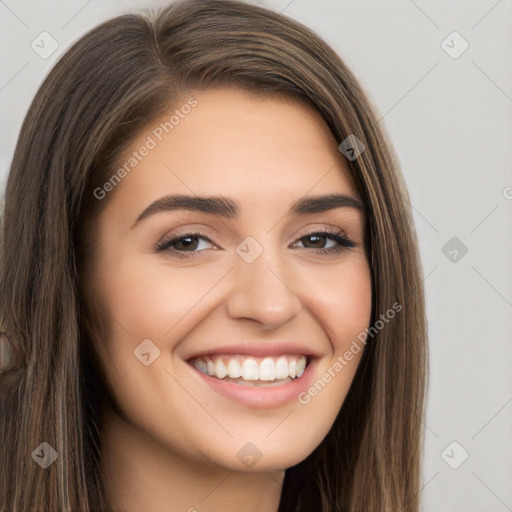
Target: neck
(144, 476)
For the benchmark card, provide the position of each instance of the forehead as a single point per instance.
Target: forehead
(258, 148)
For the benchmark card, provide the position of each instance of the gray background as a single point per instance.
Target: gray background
(449, 119)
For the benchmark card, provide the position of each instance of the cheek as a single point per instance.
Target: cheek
(341, 300)
(341, 303)
(149, 300)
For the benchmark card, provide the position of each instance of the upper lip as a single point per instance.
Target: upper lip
(259, 349)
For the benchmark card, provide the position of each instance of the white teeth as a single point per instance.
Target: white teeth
(267, 369)
(292, 368)
(301, 366)
(252, 369)
(282, 368)
(220, 369)
(202, 366)
(234, 369)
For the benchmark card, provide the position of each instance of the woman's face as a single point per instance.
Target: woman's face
(246, 282)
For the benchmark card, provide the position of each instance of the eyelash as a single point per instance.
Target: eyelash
(342, 241)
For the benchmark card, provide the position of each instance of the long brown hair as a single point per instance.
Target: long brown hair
(98, 97)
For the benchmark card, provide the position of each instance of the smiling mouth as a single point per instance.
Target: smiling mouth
(252, 371)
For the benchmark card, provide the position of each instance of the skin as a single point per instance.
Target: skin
(176, 447)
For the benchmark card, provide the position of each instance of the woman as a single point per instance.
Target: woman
(176, 342)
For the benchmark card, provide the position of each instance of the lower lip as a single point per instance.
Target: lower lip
(258, 397)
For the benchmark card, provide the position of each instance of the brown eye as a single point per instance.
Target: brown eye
(318, 239)
(184, 243)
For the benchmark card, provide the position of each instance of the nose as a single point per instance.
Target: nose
(263, 292)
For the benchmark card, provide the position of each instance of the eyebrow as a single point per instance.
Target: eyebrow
(230, 209)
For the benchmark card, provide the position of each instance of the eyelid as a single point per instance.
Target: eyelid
(330, 230)
(189, 229)
(160, 245)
